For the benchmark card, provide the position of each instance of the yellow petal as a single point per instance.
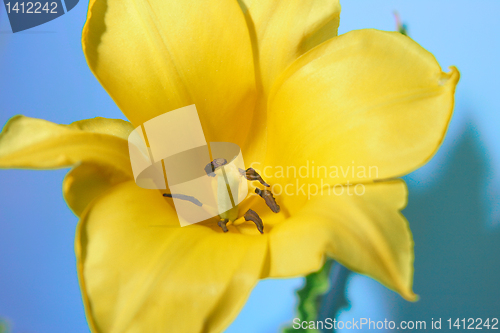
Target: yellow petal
(97, 147)
(156, 56)
(364, 99)
(280, 32)
(140, 272)
(39, 144)
(115, 127)
(283, 30)
(366, 233)
(86, 182)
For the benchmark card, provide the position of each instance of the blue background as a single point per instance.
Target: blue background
(453, 203)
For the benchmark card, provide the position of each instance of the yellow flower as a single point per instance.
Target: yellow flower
(272, 77)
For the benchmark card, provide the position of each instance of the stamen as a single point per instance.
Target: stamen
(251, 174)
(212, 166)
(224, 186)
(222, 223)
(184, 197)
(251, 215)
(270, 200)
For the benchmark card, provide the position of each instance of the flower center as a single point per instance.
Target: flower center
(229, 179)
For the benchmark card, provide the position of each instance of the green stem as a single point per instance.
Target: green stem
(322, 295)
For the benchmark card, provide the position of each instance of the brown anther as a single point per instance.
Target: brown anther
(270, 200)
(250, 215)
(251, 174)
(212, 166)
(183, 197)
(222, 223)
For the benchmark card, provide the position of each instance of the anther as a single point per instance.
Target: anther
(270, 200)
(250, 215)
(184, 197)
(222, 223)
(251, 174)
(212, 166)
